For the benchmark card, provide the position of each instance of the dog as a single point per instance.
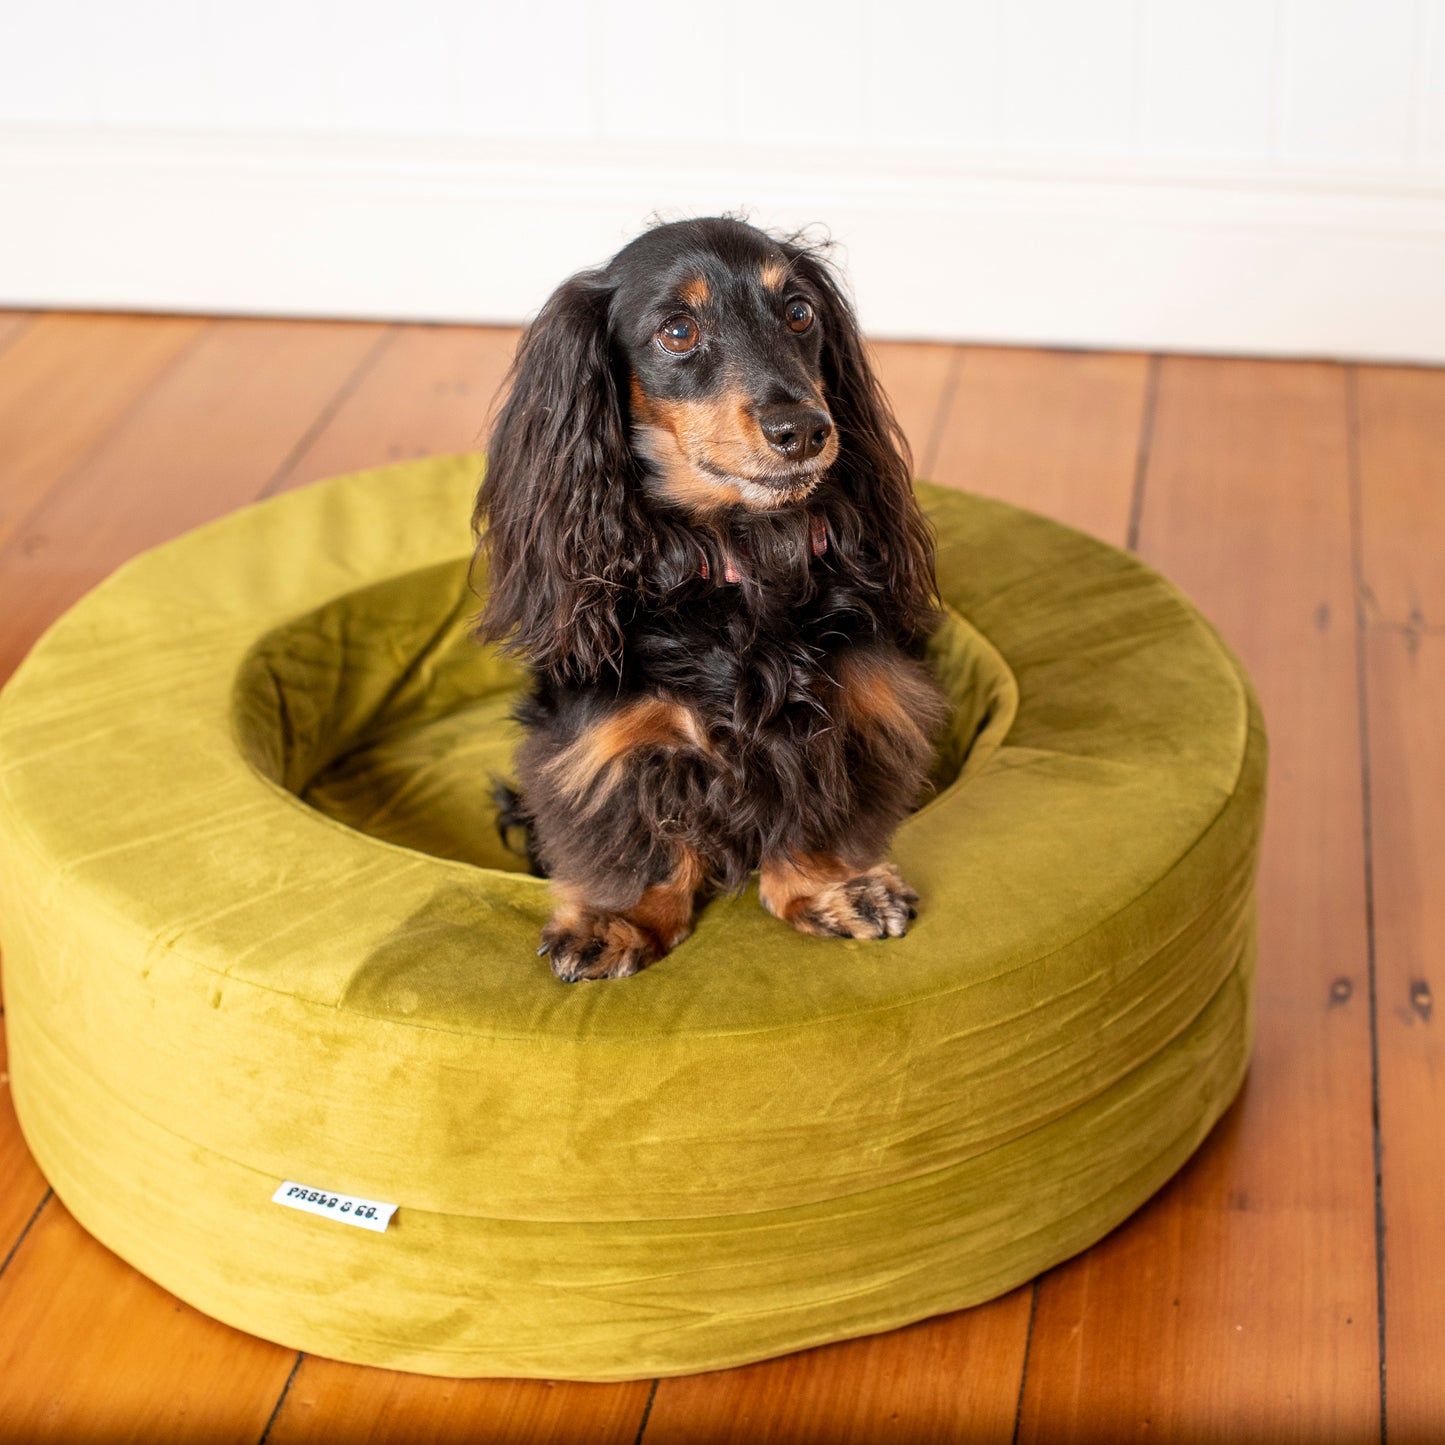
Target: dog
(699, 530)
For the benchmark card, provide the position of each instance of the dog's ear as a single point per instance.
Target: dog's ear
(874, 466)
(554, 511)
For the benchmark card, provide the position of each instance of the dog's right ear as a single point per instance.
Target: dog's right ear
(555, 511)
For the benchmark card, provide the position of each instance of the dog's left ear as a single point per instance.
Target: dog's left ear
(874, 466)
(555, 515)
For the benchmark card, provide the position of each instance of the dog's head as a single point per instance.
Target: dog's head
(722, 333)
(707, 369)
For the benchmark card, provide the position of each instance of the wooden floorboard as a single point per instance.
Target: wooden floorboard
(12, 323)
(1055, 431)
(1406, 674)
(22, 1186)
(1240, 1303)
(428, 391)
(948, 1379)
(91, 1350)
(1401, 452)
(919, 382)
(65, 381)
(1401, 413)
(212, 433)
(328, 1404)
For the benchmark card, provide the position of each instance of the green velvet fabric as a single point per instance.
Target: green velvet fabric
(258, 926)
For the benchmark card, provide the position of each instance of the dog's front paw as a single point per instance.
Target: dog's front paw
(585, 943)
(875, 904)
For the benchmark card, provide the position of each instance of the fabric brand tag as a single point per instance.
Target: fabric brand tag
(347, 1208)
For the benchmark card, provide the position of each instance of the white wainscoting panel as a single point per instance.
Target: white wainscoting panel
(1243, 176)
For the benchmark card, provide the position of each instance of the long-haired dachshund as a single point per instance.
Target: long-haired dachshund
(702, 537)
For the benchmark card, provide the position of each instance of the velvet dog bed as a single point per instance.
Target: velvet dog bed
(259, 932)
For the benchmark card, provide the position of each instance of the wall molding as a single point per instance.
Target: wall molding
(988, 248)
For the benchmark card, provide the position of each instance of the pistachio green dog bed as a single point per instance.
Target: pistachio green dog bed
(259, 935)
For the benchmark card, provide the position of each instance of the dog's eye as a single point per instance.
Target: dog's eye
(678, 334)
(799, 315)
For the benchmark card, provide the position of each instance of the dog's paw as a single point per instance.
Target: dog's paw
(586, 944)
(875, 904)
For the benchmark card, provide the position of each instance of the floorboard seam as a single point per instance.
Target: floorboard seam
(324, 417)
(281, 1398)
(117, 424)
(1357, 567)
(941, 413)
(1024, 1372)
(1141, 458)
(646, 1411)
(20, 1238)
(26, 323)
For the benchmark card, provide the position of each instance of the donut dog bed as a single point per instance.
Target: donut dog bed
(259, 933)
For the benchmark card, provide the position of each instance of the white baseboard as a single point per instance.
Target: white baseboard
(947, 248)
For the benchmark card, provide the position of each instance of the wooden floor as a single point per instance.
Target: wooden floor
(1289, 1284)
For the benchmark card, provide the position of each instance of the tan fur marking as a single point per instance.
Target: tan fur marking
(720, 430)
(694, 292)
(774, 275)
(567, 907)
(681, 481)
(891, 694)
(823, 896)
(588, 941)
(787, 885)
(665, 909)
(658, 440)
(641, 404)
(676, 436)
(650, 722)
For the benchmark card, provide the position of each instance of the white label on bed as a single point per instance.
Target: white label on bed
(347, 1208)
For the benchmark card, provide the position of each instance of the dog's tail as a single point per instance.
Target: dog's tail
(512, 818)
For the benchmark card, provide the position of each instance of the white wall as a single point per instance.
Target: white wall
(1261, 175)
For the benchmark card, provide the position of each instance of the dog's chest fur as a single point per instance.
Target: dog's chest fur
(765, 763)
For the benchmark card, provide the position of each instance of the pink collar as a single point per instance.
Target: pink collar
(817, 531)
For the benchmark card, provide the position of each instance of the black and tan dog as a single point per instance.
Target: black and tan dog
(703, 538)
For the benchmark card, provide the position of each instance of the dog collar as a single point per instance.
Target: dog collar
(817, 534)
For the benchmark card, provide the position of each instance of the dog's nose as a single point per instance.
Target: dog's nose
(796, 432)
